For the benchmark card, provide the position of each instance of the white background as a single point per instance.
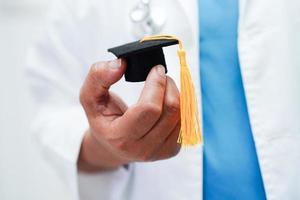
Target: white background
(24, 175)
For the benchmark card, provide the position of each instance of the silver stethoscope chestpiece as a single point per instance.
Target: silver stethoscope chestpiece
(146, 19)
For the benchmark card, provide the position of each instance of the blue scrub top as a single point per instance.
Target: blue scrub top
(231, 169)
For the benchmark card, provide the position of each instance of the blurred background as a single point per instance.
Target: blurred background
(23, 172)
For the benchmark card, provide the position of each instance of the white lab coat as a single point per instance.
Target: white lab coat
(80, 32)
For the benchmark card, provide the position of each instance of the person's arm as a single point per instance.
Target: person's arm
(97, 140)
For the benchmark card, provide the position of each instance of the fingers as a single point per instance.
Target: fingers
(140, 118)
(167, 149)
(101, 76)
(161, 140)
(154, 89)
(169, 118)
(171, 147)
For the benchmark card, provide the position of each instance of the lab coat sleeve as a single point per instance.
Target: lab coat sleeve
(57, 65)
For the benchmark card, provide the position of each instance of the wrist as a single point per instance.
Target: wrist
(95, 156)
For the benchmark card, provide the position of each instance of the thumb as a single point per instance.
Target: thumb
(100, 77)
(106, 73)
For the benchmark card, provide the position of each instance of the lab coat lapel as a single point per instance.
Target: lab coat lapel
(269, 49)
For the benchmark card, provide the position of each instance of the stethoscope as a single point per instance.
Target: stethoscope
(146, 19)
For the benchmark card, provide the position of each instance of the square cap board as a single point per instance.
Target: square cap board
(141, 57)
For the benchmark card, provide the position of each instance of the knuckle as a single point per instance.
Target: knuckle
(85, 99)
(153, 108)
(150, 111)
(119, 144)
(94, 77)
(172, 105)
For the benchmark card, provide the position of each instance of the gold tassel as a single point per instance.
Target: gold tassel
(190, 133)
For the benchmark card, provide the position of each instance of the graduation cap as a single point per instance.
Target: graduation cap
(141, 57)
(146, 53)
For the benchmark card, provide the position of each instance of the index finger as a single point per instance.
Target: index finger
(140, 118)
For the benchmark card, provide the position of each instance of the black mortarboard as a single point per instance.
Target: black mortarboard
(141, 57)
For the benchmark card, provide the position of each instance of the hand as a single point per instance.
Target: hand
(119, 135)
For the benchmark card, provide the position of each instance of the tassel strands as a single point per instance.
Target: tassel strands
(190, 133)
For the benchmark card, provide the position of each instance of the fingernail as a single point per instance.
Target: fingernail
(114, 63)
(161, 70)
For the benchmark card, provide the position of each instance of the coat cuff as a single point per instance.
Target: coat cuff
(59, 133)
